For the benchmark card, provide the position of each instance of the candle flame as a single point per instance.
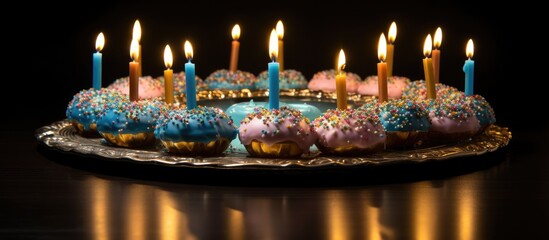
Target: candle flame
(236, 32)
(188, 50)
(168, 57)
(100, 42)
(438, 38)
(392, 32)
(137, 31)
(341, 61)
(280, 29)
(273, 45)
(382, 48)
(428, 46)
(470, 50)
(134, 49)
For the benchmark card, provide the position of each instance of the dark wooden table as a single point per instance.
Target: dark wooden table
(49, 195)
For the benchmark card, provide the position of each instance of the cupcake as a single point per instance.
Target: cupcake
(325, 81)
(276, 133)
(179, 83)
(288, 79)
(203, 131)
(395, 86)
(483, 111)
(148, 87)
(452, 120)
(130, 123)
(84, 107)
(349, 132)
(225, 79)
(405, 122)
(418, 90)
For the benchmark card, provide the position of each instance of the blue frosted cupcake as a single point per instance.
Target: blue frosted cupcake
(85, 106)
(406, 122)
(202, 131)
(130, 123)
(483, 111)
(225, 79)
(288, 79)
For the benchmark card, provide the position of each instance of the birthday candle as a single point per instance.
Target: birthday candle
(341, 82)
(168, 75)
(273, 67)
(382, 69)
(469, 68)
(428, 68)
(235, 47)
(190, 84)
(97, 59)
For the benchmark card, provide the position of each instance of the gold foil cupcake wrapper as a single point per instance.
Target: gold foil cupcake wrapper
(349, 151)
(197, 148)
(89, 133)
(130, 140)
(284, 149)
(403, 140)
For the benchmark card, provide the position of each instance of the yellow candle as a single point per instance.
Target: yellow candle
(382, 69)
(341, 82)
(280, 33)
(168, 75)
(428, 68)
(391, 49)
(436, 54)
(235, 47)
(137, 36)
(134, 68)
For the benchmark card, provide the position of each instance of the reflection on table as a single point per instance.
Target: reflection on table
(176, 211)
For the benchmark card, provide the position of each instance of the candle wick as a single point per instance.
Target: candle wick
(274, 59)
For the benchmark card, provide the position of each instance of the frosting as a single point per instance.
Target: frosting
(148, 87)
(288, 79)
(418, 90)
(238, 111)
(87, 104)
(130, 117)
(325, 81)
(340, 128)
(276, 126)
(451, 116)
(202, 124)
(400, 115)
(225, 79)
(395, 86)
(482, 109)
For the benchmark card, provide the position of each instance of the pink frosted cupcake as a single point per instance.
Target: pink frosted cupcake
(395, 86)
(452, 120)
(325, 81)
(148, 87)
(283, 133)
(349, 132)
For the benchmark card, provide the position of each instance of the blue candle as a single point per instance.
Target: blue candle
(190, 84)
(97, 59)
(469, 69)
(274, 67)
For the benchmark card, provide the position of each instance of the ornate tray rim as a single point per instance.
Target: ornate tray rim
(62, 136)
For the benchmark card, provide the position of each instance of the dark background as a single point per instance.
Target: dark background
(52, 44)
(49, 195)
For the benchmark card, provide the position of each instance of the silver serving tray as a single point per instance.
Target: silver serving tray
(62, 136)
